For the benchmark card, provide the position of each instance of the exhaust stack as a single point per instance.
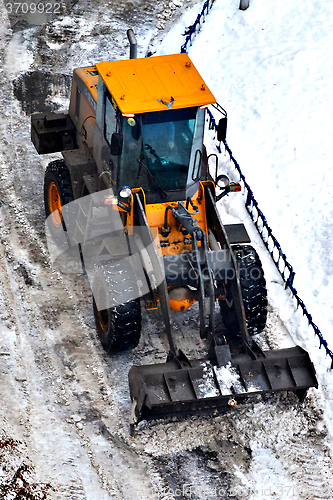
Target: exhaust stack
(133, 44)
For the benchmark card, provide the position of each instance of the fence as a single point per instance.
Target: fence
(259, 220)
(196, 26)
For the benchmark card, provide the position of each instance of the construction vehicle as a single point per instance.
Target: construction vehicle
(134, 158)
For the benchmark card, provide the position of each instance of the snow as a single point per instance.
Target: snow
(228, 378)
(271, 480)
(20, 53)
(271, 68)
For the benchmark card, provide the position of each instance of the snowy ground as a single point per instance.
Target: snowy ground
(64, 403)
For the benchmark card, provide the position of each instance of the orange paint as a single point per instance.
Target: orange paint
(140, 85)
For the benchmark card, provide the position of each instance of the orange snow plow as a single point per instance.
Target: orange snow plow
(135, 193)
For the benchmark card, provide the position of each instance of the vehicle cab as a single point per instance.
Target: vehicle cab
(150, 124)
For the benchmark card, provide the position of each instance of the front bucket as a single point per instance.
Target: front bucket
(167, 390)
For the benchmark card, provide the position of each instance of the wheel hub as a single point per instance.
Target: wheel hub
(55, 204)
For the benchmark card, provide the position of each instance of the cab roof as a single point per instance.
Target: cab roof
(140, 85)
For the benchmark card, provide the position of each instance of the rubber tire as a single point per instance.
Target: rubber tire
(118, 327)
(57, 173)
(253, 289)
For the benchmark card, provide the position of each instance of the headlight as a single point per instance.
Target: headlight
(125, 192)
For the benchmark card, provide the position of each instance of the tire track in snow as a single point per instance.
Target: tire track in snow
(82, 369)
(20, 232)
(313, 474)
(293, 440)
(25, 381)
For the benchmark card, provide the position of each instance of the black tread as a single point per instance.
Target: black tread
(57, 171)
(253, 288)
(124, 326)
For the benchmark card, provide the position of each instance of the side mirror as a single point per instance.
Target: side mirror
(222, 129)
(116, 144)
(223, 183)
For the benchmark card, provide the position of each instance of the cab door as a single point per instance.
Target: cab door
(107, 124)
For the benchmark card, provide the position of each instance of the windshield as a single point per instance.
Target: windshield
(162, 150)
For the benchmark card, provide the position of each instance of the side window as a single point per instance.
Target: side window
(110, 120)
